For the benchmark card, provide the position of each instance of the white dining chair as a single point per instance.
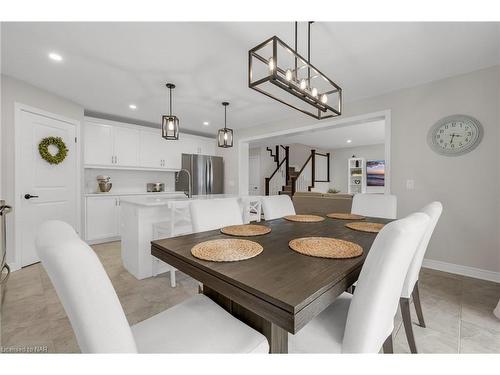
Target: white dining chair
(375, 205)
(276, 206)
(410, 286)
(197, 325)
(363, 322)
(210, 214)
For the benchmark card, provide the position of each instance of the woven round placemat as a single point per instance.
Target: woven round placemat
(365, 226)
(325, 247)
(246, 230)
(305, 218)
(345, 216)
(226, 250)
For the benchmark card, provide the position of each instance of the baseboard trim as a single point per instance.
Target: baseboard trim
(14, 266)
(457, 269)
(102, 240)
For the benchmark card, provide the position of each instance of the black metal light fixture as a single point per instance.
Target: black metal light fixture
(170, 123)
(225, 135)
(280, 72)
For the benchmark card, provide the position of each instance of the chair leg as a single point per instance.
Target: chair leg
(388, 347)
(418, 307)
(172, 277)
(405, 312)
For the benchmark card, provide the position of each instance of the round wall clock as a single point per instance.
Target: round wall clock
(455, 135)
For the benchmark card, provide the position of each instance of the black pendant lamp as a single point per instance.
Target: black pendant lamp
(225, 135)
(170, 122)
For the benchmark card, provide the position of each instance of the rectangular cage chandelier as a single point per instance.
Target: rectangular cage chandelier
(280, 72)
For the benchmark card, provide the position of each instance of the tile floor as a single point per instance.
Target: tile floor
(457, 310)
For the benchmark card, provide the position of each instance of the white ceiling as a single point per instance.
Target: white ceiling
(108, 66)
(367, 133)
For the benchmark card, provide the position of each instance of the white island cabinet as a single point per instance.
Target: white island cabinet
(138, 215)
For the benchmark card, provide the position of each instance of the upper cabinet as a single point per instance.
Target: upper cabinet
(110, 144)
(98, 144)
(126, 146)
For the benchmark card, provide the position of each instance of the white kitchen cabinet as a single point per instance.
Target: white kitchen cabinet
(102, 218)
(171, 153)
(207, 147)
(98, 142)
(197, 145)
(151, 149)
(126, 146)
(113, 144)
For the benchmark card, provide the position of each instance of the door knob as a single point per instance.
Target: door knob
(29, 196)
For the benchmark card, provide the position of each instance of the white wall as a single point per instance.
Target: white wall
(14, 91)
(125, 181)
(339, 159)
(468, 186)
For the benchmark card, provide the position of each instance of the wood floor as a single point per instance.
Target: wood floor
(457, 310)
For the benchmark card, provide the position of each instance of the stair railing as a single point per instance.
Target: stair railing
(304, 180)
(280, 176)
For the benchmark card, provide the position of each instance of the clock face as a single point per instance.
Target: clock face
(455, 135)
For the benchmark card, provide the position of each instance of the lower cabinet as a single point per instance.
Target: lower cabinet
(102, 218)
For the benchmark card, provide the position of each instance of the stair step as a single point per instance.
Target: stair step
(285, 193)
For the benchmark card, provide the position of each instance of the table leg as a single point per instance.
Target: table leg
(276, 336)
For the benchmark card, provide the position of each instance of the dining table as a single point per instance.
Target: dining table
(278, 291)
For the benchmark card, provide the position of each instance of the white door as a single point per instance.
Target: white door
(171, 153)
(126, 146)
(254, 175)
(43, 191)
(98, 144)
(102, 218)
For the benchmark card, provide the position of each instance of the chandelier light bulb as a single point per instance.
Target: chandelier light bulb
(225, 136)
(288, 75)
(314, 92)
(324, 98)
(303, 84)
(271, 64)
(170, 125)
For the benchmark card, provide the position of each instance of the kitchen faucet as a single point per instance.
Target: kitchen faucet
(189, 193)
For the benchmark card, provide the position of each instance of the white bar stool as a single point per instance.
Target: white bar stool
(163, 230)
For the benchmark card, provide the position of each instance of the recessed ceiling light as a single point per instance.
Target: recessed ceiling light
(349, 141)
(206, 123)
(55, 56)
(132, 106)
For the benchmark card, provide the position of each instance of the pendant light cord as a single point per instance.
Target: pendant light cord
(225, 117)
(309, 53)
(296, 23)
(170, 90)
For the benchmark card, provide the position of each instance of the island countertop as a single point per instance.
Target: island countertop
(148, 201)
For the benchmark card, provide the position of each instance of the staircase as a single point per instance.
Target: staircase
(285, 180)
(287, 189)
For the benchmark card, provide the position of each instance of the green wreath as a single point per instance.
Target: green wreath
(62, 150)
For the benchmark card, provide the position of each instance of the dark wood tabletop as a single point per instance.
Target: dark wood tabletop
(279, 290)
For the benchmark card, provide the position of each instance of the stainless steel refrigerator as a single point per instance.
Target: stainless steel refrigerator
(207, 174)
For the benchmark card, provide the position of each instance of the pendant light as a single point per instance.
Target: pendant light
(170, 123)
(278, 71)
(225, 135)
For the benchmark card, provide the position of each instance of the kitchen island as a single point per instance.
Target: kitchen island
(144, 218)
